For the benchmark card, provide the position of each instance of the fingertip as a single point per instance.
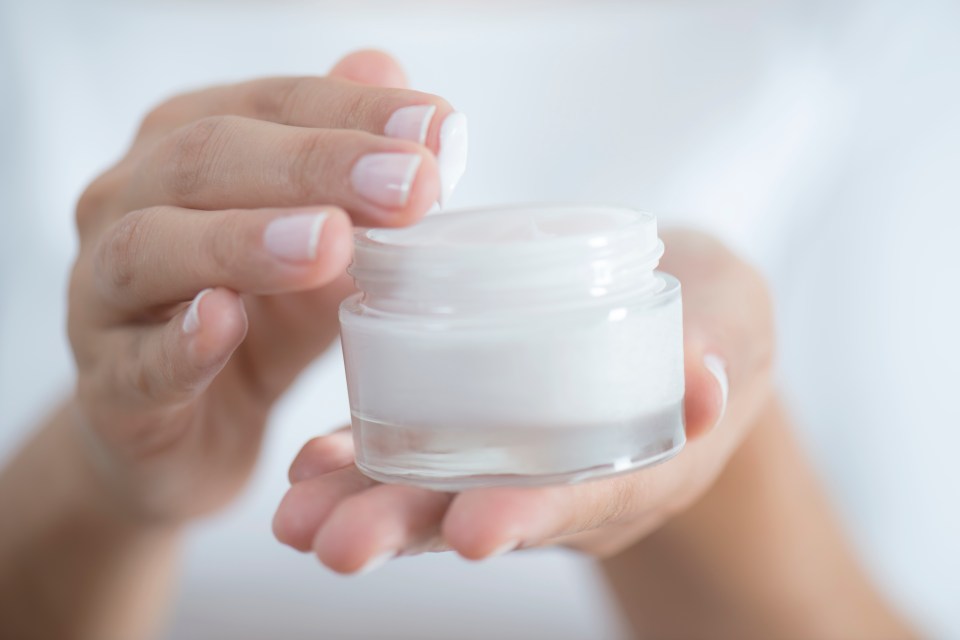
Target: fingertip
(288, 528)
(215, 323)
(335, 246)
(484, 523)
(706, 392)
(375, 562)
(717, 367)
(384, 520)
(322, 455)
(372, 67)
(294, 249)
(175, 362)
(344, 542)
(308, 505)
(423, 195)
(426, 187)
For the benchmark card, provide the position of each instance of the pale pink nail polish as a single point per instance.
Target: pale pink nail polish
(376, 562)
(717, 367)
(503, 549)
(385, 178)
(191, 320)
(294, 238)
(410, 123)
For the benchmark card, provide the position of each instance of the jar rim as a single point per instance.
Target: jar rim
(507, 256)
(357, 308)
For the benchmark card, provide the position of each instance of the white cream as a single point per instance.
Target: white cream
(522, 345)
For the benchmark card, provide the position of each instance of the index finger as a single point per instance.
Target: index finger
(310, 101)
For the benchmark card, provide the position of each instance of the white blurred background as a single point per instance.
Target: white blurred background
(820, 138)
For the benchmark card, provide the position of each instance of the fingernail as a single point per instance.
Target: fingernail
(386, 178)
(191, 320)
(410, 123)
(717, 367)
(376, 562)
(294, 238)
(452, 158)
(505, 548)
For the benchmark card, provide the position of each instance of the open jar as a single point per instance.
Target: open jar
(523, 345)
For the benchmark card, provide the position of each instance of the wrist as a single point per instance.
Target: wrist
(74, 563)
(92, 484)
(719, 569)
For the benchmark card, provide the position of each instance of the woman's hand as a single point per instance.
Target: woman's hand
(353, 523)
(212, 261)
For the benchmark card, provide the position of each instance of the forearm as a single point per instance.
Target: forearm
(759, 556)
(73, 565)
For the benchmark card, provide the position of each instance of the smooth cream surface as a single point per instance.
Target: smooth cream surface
(517, 227)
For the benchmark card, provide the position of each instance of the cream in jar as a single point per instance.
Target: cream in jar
(522, 345)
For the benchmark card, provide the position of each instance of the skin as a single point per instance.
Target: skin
(166, 424)
(759, 555)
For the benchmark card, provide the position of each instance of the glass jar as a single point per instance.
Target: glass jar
(523, 345)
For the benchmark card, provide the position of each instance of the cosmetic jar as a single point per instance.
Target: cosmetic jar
(513, 346)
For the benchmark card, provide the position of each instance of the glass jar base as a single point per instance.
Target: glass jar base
(454, 459)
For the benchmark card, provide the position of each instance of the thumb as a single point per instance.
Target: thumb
(707, 388)
(728, 332)
(372, 67)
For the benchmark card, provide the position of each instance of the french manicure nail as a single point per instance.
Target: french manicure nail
(294, 238)
(717, 367)
(410, 123)
(505, 548)
(386, 178)
(376, 562)
(191, 320)
(452, 157)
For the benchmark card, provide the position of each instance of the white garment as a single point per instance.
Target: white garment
(821, 139)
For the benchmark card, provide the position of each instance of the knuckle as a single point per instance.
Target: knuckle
(162, 116)
(115, 262)
(95, 199)
(309, 162)
(271, 99)
(282, 103)
(221, 246)
(193, 152)
(357, 105)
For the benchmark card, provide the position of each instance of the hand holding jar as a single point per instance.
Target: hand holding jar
(353, 523)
